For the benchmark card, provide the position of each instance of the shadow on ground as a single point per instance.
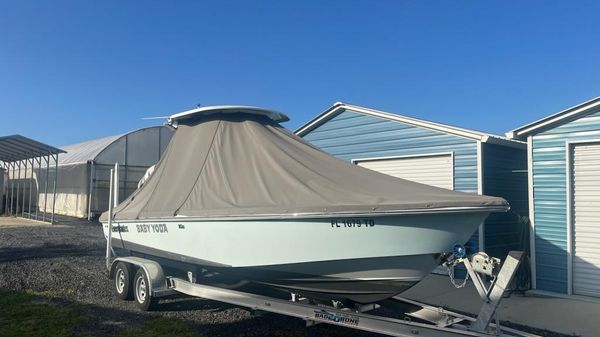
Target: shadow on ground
(47, 251)
(57, 316)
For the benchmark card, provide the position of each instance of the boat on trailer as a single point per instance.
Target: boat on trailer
(238, 198)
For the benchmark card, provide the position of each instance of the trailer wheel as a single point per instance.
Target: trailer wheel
(143, 298)
(123, 284)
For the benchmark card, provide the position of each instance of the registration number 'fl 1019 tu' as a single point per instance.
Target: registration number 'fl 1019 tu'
(352, 223)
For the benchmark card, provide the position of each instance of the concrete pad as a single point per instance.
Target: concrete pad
(570, 316)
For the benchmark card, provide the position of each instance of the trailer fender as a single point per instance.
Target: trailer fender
(156, 276)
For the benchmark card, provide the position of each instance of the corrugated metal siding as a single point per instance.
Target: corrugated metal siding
(585, 185)
(351, 135)
(550, 198)
(505, 175)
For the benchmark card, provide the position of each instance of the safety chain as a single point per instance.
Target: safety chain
(451, 275)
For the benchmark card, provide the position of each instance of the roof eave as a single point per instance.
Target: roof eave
(313, 123)
(18, 148)
(554, 119)
(339, 107)
(505, 142)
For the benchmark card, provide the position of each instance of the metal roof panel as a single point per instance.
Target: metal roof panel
(17, 147)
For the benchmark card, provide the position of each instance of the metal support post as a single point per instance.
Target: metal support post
(47, 159)
(18, 187)
(125, 169)
(54, 187)
(12, 187)
(30, 187)
(7, 181)
(91, 191)
(7, 187)
(37, 190)
(25, 163)
(5, 191)
(503, 279)
(110, 218)
(4, 188)
(116, 190)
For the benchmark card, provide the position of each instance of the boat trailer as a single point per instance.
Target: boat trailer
(419, 319)
(428, 320)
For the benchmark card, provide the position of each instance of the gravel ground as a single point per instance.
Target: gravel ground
(67, 261)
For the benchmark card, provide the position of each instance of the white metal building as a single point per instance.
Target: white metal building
(83, 172)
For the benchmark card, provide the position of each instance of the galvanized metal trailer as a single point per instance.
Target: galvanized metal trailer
(150, 283)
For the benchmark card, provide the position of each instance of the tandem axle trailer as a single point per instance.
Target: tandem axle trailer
(419, 319)
(144, 280)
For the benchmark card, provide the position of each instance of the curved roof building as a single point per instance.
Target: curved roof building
(83, 171)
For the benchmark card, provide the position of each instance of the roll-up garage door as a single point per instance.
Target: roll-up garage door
(585, 189)
(436, 170)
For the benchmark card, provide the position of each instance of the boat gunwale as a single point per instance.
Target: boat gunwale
(321, 215)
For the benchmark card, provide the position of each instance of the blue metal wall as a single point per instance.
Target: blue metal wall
(351, 135)
(550, 197)
(505, 175)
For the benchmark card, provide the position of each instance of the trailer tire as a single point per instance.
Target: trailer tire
(142, 293)
(123, 281)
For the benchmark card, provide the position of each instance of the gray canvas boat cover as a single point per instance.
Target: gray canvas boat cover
(247, 165)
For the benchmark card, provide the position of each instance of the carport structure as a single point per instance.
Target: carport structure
(19, 157)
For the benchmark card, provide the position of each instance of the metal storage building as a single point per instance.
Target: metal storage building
(83, 172)
(435, 154)
(21, 159)
(564, 199)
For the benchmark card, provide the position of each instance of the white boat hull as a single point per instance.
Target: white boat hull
(359, 258)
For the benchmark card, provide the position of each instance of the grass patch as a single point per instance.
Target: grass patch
(34, 313)
(22, 314)
(158, 327)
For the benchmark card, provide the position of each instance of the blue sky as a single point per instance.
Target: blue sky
(75, 70)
